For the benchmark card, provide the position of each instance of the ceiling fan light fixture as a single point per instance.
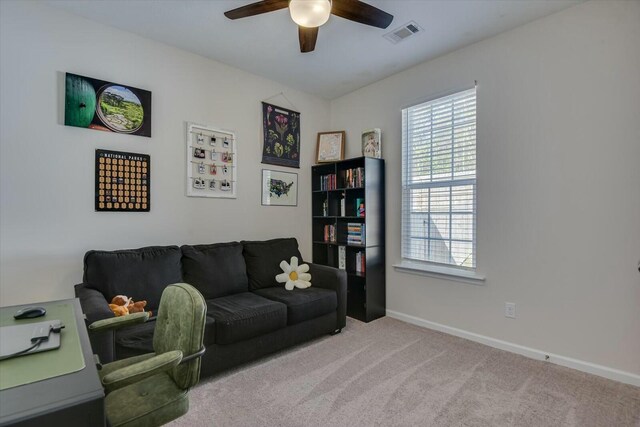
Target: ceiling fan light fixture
(310, 13)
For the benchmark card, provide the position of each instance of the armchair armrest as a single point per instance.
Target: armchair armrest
(118, 322)
(335, 279)
(141, 370)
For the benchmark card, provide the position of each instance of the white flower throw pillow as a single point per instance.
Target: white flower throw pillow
(294, 275)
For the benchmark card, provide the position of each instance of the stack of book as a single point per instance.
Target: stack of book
(329, 233)
(355, 233)
(353, 178)
(360, 262)
(328, 182)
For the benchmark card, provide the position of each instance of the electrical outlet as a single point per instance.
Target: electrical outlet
(510, 310)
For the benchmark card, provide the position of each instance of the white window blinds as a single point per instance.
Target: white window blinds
(439, 181)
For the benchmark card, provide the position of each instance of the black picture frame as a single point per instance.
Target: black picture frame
(122, 189)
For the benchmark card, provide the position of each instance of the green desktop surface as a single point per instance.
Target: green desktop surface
(34, 367)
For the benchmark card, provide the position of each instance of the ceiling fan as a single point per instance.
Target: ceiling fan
(311, 14)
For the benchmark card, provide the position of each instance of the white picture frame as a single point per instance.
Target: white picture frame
(211, 162)
(279, 188)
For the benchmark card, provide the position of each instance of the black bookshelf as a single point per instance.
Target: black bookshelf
(366, 289)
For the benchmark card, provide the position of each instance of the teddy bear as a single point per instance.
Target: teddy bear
(121, 305)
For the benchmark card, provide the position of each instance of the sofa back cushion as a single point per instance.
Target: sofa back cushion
(216, 270)
(138, 273)
(263, 260)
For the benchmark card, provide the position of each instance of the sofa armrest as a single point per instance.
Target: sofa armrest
(93, 303)
(335, 279)
(95, 307)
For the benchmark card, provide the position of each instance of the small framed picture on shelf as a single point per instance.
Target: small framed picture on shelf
(372, 143)
(330, 146)
(279, 188)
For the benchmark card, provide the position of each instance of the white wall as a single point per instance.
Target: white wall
(47, 218)
(558, 183)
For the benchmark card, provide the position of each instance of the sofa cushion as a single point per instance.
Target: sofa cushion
(303, 304)
(138, 339)
(138, 273)
(215, 270)
(263, 260)
(245, 315)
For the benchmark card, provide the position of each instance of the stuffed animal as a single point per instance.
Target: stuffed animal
(121, 305)
(136, 307)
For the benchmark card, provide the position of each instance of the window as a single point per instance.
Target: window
(439, 181)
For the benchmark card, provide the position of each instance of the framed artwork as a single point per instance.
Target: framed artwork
(212, 162)
(123, 182)
(279, 188)
(281, 134)
(330, 146)
(111, 107)
(372, 143)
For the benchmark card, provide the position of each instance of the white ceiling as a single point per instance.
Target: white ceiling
(348, 55)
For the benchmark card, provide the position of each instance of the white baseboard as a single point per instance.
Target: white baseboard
(580, 365)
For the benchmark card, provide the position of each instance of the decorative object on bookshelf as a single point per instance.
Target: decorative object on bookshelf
(344, 237)
(372, 143)
(281, 133)
(330, 146)
(279, 188)
(359, 205)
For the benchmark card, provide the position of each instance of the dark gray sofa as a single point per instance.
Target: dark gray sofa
(249, 314)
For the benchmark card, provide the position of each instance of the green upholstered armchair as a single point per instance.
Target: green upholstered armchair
(151, 389)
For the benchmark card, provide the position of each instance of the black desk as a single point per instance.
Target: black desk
(75, 399)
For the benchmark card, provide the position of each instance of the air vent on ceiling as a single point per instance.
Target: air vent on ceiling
(404, 32)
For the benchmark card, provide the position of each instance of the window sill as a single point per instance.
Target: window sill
(440, 272)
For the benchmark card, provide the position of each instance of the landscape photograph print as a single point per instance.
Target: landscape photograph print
(112, 107)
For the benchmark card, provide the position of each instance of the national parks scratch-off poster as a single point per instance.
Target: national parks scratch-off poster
(111, 107)
(123, 181)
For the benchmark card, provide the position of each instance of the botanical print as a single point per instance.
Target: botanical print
(279, 188)
(100, 105)
(281, 129)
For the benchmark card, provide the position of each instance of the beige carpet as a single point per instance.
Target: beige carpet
(390, 373)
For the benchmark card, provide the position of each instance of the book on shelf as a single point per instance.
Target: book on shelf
(353, 178)
(325, 207)
(329, 233)
(342, 257)
(328, 182)
(343, 205)
(360, 262)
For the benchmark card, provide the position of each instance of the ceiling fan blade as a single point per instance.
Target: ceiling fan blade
(256, 8)
(361, 12)
(308, 37)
